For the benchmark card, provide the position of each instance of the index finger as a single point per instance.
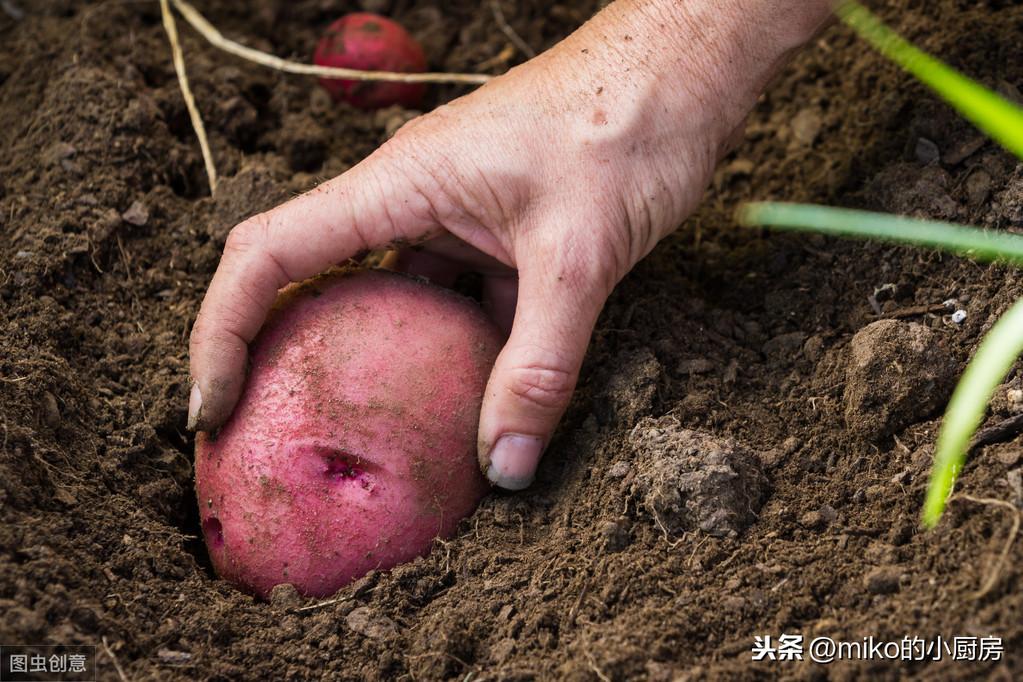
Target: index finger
(299, 239)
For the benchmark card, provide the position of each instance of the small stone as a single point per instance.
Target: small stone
(615, 535)
(171, 657)
(1014, 397)
(285, 596)
(137, 214)
(819, 519)
(368, 623)
(883, 580)
(71, 166)
(619, 469)
(959, 316)
(806, 126)
(926, 151)
(51, 410)
(731, 372)
(812, 520)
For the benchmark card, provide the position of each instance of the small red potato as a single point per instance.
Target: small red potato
(372, 43)
(354, 443)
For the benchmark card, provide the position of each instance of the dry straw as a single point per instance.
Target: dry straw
(193, 112)
(217, 39)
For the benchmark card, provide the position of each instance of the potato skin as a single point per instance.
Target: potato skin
(354, 443)
(362, 40)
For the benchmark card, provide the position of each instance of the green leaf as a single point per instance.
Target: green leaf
(996, 116)
(995, 356)
(973, 242)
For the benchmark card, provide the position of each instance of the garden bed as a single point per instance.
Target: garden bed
(108, 239)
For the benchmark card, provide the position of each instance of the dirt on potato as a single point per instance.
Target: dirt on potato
(740, 342)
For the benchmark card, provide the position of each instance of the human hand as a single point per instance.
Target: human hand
(552, 180)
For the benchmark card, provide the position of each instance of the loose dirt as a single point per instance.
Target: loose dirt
(745, 343)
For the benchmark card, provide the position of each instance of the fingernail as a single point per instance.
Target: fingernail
(513, 461)
(194, 407)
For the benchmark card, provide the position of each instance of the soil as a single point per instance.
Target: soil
(755, 353)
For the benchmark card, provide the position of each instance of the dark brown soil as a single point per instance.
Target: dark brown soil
(740, 339)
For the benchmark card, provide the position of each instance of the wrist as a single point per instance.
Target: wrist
(726, 51)
(720, 54)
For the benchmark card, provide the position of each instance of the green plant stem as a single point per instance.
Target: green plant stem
(998, 117)
(974, 242)
(992, 361)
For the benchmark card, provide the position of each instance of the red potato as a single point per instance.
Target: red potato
(354, 444)
(372, 43)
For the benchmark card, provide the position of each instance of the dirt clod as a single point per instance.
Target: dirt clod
(690, 480)
(285, 596)
(371, 624)
(615, 534)
(137, 214)
(897, 373)
(818, 519)
(883, 580)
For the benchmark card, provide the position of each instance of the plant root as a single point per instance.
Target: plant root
(171, 27)
(996, 570)
(113, 659)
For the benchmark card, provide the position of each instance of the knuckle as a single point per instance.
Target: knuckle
(247, 235)
(542, 386)
(588, 267)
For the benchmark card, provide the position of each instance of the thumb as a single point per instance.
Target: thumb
(536, 372)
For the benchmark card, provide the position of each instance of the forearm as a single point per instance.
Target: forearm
(719, 54)
(654, 91)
